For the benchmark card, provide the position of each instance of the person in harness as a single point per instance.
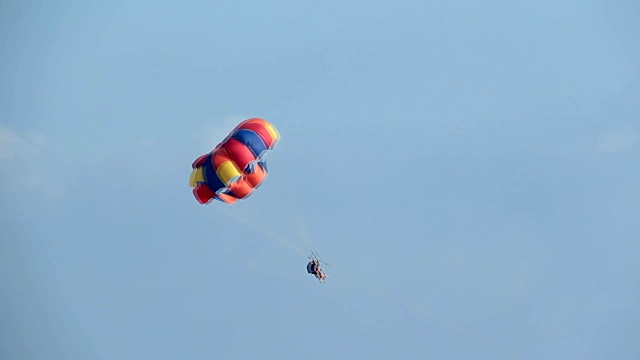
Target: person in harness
(314, 267)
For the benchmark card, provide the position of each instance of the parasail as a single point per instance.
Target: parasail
(236, 167)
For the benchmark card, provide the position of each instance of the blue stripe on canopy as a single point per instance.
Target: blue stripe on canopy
(210, 175)
(252, 140)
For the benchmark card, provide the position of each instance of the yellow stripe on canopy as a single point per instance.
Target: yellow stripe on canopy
(196, 177)
(275, 135)
(227, 171)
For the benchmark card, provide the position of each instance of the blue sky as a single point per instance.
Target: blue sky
(470, 169)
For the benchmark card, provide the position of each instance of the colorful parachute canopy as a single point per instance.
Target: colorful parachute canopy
(235, 168)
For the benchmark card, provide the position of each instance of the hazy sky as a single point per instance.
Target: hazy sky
(470, 169)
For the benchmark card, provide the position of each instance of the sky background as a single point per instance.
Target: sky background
(470, 169)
